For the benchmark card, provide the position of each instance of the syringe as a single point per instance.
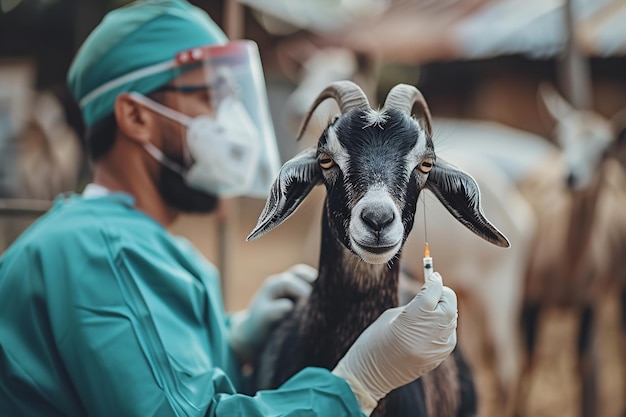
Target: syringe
(428, 262)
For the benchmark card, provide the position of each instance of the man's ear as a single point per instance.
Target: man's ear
(134, 120)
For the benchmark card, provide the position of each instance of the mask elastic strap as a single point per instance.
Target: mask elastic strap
(161, 109)
(157, 154)
(170, 114)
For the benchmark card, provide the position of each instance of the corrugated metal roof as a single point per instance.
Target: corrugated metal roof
(604, 34)
(537, 28)
(426, 30)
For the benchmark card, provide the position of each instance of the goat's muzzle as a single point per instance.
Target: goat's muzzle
(376, 230)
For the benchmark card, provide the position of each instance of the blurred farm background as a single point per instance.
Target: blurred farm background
(502, 79)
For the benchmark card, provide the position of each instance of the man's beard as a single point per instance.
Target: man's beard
(177, 194)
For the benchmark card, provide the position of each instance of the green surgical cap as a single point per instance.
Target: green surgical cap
(129, 39)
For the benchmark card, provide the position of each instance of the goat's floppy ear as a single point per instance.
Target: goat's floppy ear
(460, 195)
(296, 179)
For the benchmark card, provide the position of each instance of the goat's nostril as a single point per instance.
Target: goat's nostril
(377, 219)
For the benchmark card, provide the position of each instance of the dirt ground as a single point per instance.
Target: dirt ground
(554, 389)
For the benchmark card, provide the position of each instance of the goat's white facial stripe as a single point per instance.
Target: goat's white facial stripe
(364, 239)
(416, 155)
(336, 150)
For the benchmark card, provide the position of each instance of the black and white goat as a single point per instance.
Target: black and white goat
(374, 165)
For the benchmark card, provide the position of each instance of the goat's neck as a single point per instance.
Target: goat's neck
(348, 296)
(581, 225)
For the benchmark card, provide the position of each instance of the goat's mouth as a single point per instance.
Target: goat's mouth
(377, 250)
(375, 254)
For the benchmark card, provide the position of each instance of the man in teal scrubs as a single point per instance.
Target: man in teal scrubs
(104, 313)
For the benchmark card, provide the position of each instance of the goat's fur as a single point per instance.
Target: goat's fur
(373, 183)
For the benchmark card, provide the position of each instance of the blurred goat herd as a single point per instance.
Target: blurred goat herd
(560, 202)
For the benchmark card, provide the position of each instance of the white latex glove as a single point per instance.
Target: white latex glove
(403, 344)
(272, 302)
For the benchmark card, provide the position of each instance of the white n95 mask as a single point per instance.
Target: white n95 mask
(221, 153)
(225, 151)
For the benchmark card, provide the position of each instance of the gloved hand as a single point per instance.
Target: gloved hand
(273, 301)
(403, 344)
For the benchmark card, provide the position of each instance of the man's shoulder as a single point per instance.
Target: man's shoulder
(82, 221)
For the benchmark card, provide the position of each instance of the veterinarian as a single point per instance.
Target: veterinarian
(104, 313)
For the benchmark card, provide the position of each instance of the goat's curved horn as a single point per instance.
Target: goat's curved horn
(403, 97)
(346, 93)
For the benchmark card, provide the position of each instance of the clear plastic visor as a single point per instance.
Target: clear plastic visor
(226, 83)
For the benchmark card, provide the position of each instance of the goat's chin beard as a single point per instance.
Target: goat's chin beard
(178, 195)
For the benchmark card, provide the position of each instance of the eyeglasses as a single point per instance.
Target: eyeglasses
(221, 88)
(185, 89)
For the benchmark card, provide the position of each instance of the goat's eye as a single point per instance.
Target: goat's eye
(426, 165)
(326, 161)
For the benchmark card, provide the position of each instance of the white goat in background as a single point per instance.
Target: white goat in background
(579, 252)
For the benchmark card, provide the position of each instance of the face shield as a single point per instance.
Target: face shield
(218, 98)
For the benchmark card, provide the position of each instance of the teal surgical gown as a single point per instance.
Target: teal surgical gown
(105, 313)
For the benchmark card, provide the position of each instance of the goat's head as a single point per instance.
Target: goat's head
(374, 165)
(586, 138)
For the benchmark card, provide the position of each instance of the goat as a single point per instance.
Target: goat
(374, 165)
(577, 257)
